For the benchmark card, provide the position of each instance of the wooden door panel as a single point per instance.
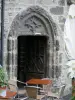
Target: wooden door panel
(32, 56)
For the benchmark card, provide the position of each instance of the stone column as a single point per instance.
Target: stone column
(10, 56)
(15, 58)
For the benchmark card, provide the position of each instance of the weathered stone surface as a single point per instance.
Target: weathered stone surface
(5, 60)
(58, 71)
(57, 45)
(10, 59)
(61, 2)
(34, 25)
(44, 2)
(9, 47)
(62, 27)
(61, 19)
(10, 1)
(27, 1)
(19, 1)
(55, 18)
(57, 10)
(60, 58)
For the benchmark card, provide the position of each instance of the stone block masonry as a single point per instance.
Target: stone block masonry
(57, 9)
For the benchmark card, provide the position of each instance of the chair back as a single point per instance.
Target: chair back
(61, 91)
(47, 87)
(32, 91)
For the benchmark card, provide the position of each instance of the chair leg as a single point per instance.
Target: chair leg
(52, 98)
(46, 97)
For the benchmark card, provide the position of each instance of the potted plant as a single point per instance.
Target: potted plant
(3, 81)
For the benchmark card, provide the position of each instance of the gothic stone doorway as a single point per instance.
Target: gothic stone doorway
(27, 23)
(32, 57)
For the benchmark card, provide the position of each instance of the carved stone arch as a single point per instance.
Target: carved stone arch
(29, 22)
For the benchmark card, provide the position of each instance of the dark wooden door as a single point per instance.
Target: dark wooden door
(32, 57)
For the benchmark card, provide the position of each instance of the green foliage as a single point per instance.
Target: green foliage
(73, 98)
(73, 90)
(3, 78)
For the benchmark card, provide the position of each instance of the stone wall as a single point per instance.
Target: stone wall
(57, 10)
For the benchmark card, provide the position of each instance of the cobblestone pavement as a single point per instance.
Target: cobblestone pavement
(68, 97)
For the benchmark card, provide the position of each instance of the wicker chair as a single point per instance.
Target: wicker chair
(56, 92)
(45, 88)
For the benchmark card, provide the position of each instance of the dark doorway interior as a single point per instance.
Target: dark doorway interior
(32, 57)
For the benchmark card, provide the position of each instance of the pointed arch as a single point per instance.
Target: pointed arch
(29, 22)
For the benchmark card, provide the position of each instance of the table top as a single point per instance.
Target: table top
(9, 94)
(39, 81)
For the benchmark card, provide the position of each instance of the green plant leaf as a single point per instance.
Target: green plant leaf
(3, 78)
(73, 98)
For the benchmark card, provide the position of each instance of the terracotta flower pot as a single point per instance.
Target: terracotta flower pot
(3, 91)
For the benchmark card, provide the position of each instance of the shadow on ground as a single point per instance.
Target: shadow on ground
(67, 97)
